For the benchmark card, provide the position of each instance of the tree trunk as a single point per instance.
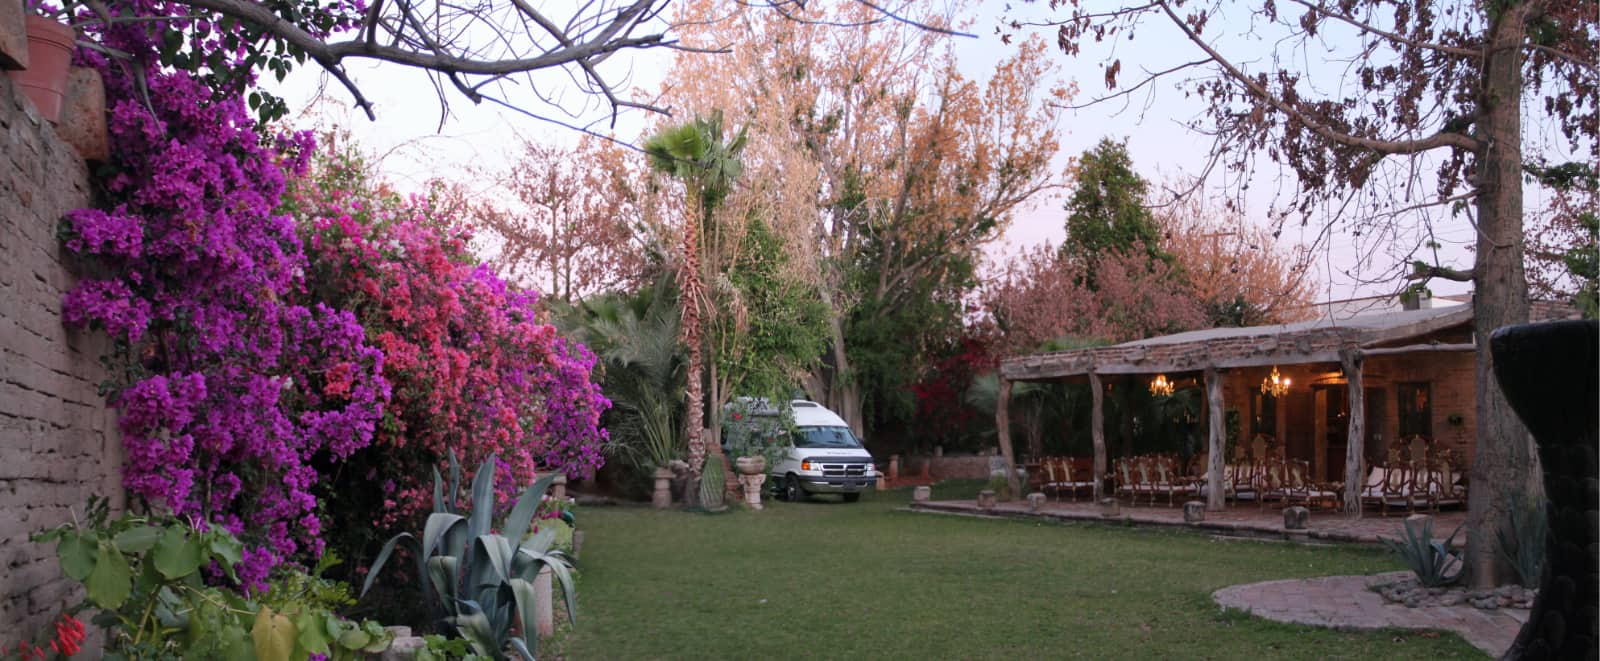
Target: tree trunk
(1097, 433)
(1002, 427)
(1355, 474)
(1216, 497)
(689, 296)
(831, 383)
(1505, 462)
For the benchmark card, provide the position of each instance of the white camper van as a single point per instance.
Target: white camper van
(826, 457)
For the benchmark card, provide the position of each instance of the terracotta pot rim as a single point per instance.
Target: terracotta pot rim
(51, 31)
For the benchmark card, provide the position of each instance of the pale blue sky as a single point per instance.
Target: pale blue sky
(414, 148)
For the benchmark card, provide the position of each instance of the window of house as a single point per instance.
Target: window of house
(1265, 420)
(1416, 410)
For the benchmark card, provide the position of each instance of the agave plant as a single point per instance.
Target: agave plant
(481, 582)
(1434, 562)
(1522, 541)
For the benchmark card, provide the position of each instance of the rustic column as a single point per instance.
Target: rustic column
(1097, 432)
(1355, 451)
(1216, 498)
(1002, 427)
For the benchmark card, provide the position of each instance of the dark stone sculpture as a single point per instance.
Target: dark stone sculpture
(1550, 374)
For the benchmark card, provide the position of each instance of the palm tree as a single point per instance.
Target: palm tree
(636, 338)
(694, 153)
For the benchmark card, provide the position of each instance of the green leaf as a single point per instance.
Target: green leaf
(138, 540)
(274, 636)
(527, 608)
(77, 556)
(226, 548)
(383, 557)
(110, 581)
(354, 639)
(178, 554)
(313, 637)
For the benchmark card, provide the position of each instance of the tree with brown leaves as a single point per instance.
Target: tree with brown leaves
(1423, 108)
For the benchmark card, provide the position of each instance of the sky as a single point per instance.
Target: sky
(413, 146)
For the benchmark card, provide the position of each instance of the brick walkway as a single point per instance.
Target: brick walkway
(1345, 602)
(1239, 520)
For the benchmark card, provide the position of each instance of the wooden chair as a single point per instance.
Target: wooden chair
(1269, 484)
(1299, 489)
(1398, 488)
(1442, 489)
(1168, 481)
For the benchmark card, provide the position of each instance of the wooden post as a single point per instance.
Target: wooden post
(1097, 432)
(1002, 426)
(1216, 498)
(1354, 473)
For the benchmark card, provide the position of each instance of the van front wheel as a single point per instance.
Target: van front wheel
(792, 491)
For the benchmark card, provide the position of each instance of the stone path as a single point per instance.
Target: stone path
(1346, 602)
(1239, 520)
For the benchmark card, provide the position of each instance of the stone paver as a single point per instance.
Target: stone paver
(1249, 520)
(1347, 602)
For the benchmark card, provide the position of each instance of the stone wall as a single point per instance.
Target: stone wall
(58, 439)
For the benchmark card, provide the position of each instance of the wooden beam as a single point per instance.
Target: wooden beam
(1002, 426)
(1354, 473)
(1097, 432)
(1215, 497)
(1419, 348)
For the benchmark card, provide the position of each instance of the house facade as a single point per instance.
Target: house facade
(1350, 390)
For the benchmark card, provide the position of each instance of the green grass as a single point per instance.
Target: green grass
(824, 579)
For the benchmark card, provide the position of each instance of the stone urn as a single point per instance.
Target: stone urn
(1548, 374)
(752, 474)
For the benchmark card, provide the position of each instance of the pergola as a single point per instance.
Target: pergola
(1212, 352)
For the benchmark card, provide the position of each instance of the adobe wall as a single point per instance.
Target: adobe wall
(58, 440)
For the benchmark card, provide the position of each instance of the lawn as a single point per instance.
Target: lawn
(824, 579)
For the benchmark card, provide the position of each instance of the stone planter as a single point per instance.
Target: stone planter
(752, 474)
(661, 498)
(751, 465)
(49, 59)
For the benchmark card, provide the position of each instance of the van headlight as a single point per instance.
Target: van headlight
(806, 465)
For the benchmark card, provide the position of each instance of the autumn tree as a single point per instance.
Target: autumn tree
(1423, 108)
(891, 168)
(566, 220)
(1042, 295)
(1234, 267)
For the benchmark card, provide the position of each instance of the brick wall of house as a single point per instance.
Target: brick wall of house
(58, 439)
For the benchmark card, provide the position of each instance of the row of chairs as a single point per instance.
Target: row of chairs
(1426, 481)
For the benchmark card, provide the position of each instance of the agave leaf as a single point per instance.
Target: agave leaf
(441, 527)
(474, 626)
(383, 557)
(482, 499)
(438, 493)
(563, 578)
(528, 609)
(454, 486)
(540, 541)
(441, 575)
(522, 649)
(527, 504)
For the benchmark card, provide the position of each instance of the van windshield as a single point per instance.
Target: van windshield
(825, 437)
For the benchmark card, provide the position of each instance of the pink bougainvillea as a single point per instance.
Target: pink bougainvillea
(249, 377)
(474, 368)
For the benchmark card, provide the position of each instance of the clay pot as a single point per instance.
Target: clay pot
(751, 465)
(50, 46)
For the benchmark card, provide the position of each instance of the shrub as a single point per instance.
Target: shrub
(1522, 542)
(1433, 562)
(478, 581)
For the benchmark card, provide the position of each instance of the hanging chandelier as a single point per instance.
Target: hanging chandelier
(1160, 386)
(1275, 384)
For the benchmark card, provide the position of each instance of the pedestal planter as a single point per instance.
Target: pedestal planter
(1547, 372)
(752, 474)
(661, 498)
(49, 60)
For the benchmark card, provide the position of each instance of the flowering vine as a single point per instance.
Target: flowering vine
(229, 391)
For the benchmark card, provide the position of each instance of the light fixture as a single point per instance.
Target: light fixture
(1274, 385)
(1160, 386)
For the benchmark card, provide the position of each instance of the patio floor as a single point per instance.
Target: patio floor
(1243, 520)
